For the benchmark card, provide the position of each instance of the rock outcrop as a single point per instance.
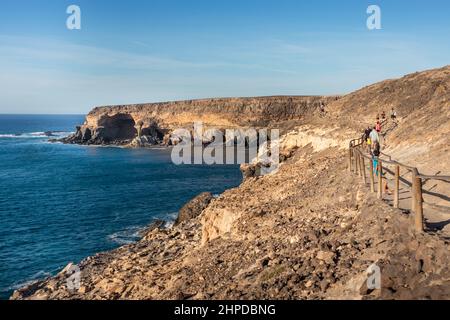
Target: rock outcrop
(194, 208)
(149, 124)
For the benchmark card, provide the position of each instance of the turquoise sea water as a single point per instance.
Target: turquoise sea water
(61, 203)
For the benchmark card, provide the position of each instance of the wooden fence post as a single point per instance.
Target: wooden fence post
(419, 204)
(396, 186)
(380, 179)
(358, 166)
(350, 159)
(413, 191)
(363, 168)
(372, 180)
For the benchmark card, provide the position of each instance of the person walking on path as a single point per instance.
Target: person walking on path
(367, 132)
(375, 155)
(374, 136)
(376, 170)
(367, 139)
(378, 126)
(322, 108)
(393, 115)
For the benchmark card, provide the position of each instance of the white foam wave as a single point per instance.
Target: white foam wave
(127, 236)
(34, 278)
(29, 135)
(134, 233)
(169, 219)
(9, 136)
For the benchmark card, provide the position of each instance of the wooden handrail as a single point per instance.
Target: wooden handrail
(416, 183)
(442, 178)
(393, 162)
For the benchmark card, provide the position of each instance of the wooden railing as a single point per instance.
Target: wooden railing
(356, 163)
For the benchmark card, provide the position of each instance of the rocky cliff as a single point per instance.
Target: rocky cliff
(153, 123)
(309, 231)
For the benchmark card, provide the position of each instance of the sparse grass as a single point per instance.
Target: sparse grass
(272, 273)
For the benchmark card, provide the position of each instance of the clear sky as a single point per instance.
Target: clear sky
(143, 51)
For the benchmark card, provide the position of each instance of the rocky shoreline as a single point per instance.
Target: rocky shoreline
(154, 124)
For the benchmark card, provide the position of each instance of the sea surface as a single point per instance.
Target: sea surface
(61, 203)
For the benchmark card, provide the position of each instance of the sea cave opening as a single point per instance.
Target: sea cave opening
(118, 127)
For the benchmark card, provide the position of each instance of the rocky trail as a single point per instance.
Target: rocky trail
(436, 205)
(437, 217)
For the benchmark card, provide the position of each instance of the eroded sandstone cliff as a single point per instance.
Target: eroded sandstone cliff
(152, 123)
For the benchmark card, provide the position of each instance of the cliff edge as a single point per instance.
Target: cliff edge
(153, 123)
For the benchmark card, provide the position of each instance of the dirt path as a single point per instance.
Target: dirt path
(437, 216)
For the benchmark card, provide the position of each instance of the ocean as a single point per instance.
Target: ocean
(61, 203)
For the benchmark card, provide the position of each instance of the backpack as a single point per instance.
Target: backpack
(376, 152)
(376, 149)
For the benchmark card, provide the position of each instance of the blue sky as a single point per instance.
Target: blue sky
(142, 51)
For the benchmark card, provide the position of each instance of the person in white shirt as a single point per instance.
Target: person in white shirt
(374, 136)
(393, 115)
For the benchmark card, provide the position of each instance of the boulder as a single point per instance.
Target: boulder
(144, 141)
(166, 140)
(194, 207)
(171, 139)
(250, 170)
(326, 256)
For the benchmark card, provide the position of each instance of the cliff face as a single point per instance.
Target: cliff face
(155, 121)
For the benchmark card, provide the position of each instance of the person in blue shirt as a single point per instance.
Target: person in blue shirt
(375, 154)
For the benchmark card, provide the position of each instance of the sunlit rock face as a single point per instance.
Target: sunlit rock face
(155, 121)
